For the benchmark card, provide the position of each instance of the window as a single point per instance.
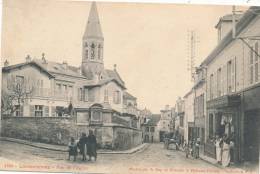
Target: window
(106, 95)
(256, 62)
(117, 97)
(18, 111)
(146, 129)
(211, 125)
(231, 76)
(181, 121)
(86, 94)
(151, 129)
(58, 88)
(38, 110)
(80, 94)
(219, 82)
(99, 51)
(92, 51)
(211, 86)
(19, 82)
(70, 92)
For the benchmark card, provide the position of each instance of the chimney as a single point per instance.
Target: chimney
(65, 64)
(114, 67)
(44, 61)
(28, 58)
(6, 63)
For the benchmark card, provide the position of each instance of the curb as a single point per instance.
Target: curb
(62, 149)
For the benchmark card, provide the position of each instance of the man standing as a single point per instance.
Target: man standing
(82, 145)
(92, 145)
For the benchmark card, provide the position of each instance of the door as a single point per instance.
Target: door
(251, 136)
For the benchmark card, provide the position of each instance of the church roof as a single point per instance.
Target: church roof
(93, 28)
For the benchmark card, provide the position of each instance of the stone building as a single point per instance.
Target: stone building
(200, 105)
(165, 124)
(97, 97)
(150, 129)
(189, 129)
(179, 120)
(233, 91)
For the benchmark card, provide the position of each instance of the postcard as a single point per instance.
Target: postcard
(127, 87)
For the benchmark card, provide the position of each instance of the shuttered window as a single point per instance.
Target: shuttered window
(46, 111)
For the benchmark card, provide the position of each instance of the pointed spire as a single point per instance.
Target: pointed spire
(93, 28)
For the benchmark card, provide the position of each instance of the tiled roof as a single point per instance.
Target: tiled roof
(152, 120)
(58, 68)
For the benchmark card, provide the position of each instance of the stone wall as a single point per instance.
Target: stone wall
(53, 130)
(56, 130)
(126, 138)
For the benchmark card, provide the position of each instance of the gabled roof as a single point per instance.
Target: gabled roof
(228, 18)
(152, 120)
(114, 75)
(31, 63)
(127, 95)
(93, 28)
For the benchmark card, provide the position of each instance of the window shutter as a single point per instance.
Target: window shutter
(46, 111)
(233, 69)
(32, 113)
(53, 111)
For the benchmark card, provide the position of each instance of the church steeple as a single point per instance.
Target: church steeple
(92, 45)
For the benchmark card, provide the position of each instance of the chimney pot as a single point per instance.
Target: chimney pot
(6, 63)
(28, 58)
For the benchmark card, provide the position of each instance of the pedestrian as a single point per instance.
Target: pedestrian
(73, 151)
(82, 145)
(197, 148)
(218, 144)
(226, 152)
(92, 145)
(187, 149)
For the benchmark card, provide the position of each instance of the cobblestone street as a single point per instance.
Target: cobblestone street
(153, 159)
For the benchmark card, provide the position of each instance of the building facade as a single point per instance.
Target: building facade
(233, 89)
(88, 96)
(150, 129)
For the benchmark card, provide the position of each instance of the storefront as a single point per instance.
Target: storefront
(223, 119)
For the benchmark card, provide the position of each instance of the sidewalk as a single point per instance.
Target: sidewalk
(63, 148)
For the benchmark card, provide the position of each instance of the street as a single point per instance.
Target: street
(153, 159)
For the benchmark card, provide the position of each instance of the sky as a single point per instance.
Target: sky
(148, 42)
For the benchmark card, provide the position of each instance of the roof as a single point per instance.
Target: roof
(152, 120)
(248, 16)
(228, 18)
(127, 95)
(58, 68)
(32, 63)
(93, 28)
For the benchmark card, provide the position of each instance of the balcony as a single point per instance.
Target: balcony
(130, 110)
(48, 93)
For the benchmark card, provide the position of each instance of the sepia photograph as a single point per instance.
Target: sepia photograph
(129, 87)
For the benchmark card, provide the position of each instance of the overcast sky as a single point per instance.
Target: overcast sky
(148, 42)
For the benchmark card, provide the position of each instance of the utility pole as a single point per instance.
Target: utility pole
(192, 45)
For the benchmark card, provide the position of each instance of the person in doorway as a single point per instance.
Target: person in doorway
(92, 145)
(218, 144)
(73, 148)
(82, 145)
(225, 152)
(197, 146)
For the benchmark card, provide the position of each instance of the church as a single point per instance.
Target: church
(60, 100)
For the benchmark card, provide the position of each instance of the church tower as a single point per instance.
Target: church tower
(92, 46)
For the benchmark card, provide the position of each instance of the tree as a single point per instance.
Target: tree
(14, 94)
